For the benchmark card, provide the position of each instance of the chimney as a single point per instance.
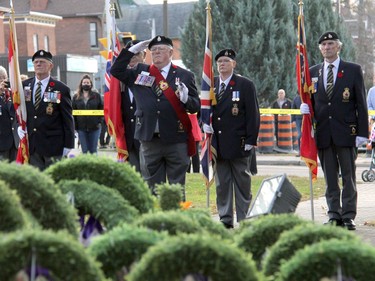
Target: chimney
(38, 5)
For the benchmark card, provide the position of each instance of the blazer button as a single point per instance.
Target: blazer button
(34, 129)
(219, 132)
(35, 117)
(158, 112)
(131, 107)
(218, 119)
(158, 100)
(329, 104)
(131, 120)
(330, 117)
(11, 118)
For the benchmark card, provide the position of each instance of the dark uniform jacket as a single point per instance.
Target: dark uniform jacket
(151, 106)
(345, 116)
(51, 127)
(8, 123)
(88, 123)
(128, 109)
(236, 122)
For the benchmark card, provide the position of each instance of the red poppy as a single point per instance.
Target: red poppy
(52, 84)
(340, 74)
(232, 83)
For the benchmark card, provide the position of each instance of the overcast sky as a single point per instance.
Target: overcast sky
(169, 1)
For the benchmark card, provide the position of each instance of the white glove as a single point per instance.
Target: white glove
(208, 129)
(304, 108)
(360, 140)
(248, 147)
(66, 151)
(183, 92)
(139, 47)
(21, 133)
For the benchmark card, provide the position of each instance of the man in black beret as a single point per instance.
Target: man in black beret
(235, 127)
(50, 124)
(164, 94)
(341, 122)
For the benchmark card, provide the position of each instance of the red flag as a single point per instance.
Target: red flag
(208, 151)
(308, 148)
(112, 94)
(17, 89)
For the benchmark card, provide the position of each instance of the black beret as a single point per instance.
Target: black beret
(226, 53)
(131, 43)
(43, 55)
(329, 35)
(160, 40)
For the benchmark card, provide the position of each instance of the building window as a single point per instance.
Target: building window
(35, 42)
(93, 35)
(46, 43)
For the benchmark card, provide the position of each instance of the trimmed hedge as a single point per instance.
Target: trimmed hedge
(12, 216)
(170, 196)
(321, 259)
(297, 238)
(40, 196)
(62, 255)
(120, 176)
(257, 235)
(174, 222)
(174, 258)
(105, 204)
(122, 246)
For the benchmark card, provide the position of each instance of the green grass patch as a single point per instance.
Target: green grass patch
(196, 191)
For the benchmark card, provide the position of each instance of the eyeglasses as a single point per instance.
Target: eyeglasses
(223, 61)
(159, 48)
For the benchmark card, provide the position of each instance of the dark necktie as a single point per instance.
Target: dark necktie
(329, 89)
(38, 95)
(219, 95)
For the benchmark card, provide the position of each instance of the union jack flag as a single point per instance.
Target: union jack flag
(208, 151)
(308, 148)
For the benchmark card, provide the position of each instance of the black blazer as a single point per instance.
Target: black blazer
(128, 108)
(8, 124)
(51, 127)
(151, 106)
(236, 123)
(345, 116)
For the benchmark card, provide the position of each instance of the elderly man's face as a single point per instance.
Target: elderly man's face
(161, 55)
(330, 49)
(42, 67)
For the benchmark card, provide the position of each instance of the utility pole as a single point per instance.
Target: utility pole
(165, 17)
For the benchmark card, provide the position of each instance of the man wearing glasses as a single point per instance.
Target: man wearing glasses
(164, 94)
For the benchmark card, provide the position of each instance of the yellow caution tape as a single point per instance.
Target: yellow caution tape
(88, 112)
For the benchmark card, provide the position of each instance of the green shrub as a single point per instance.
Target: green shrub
(356, 259)
(40, 196)
(12, 216)
(120, 176)
(174, 258)
(105, 204)
(169, 196)
(61, 254)
(122, 246)
(297, 238)
(257, 235)
(174, 222)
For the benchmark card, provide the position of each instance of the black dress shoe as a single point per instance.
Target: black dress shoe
(349, 224)
(335, 222)
(227, 225)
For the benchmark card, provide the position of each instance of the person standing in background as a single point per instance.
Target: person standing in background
(281, 103)
(8, 122)
(129, 107)
(50, 124)
(235, 127)
(88, 127)
(341, 122)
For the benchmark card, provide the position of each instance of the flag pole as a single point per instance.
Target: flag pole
(311, 196)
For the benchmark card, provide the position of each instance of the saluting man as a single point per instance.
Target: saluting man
(164, 94)
(235, 125)
(341, 122)
(50, 124)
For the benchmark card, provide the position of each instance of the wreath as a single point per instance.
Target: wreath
(120, 176)
(122, 246)
(59, 253)
(40, 196)
(297, 238)
(355, 260)
(255, 236)
(105, 204)
(179, 256)
(12, 215)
